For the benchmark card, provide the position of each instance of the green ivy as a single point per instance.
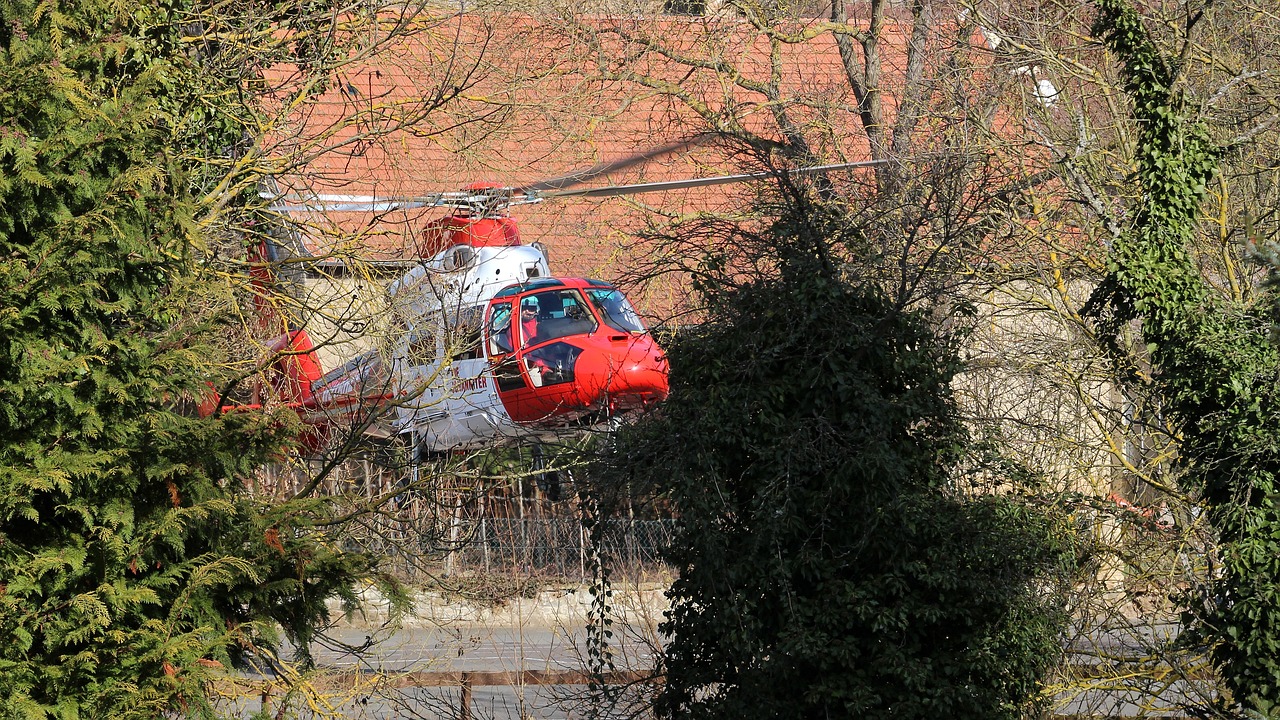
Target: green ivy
(1216, 368)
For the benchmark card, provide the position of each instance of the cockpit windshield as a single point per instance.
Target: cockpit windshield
(615, 310)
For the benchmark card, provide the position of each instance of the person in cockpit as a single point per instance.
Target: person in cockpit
(528, 320)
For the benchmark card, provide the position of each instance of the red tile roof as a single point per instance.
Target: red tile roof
(536, 100)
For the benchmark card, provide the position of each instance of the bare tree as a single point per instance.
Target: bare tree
(1153, 543)
(1007, 155)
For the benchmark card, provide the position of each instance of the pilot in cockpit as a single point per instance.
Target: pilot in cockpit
(528, 320)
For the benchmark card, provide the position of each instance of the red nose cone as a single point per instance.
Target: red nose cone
(631, 373)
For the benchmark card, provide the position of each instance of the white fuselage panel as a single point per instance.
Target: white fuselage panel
(445, 389)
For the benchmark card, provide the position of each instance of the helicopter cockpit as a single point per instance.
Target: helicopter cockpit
(537, 330)
(553, 314)
(531, 323)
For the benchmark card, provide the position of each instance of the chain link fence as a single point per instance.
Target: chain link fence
(453, 524)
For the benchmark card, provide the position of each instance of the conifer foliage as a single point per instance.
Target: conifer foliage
(830, 564)
(132, 563)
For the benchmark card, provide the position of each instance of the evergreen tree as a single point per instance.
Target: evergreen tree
(132, 561)
(829, 564)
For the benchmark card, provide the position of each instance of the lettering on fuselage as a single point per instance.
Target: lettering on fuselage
(460, 385)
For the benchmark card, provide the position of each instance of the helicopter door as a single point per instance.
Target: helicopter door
(416, 363)
(507, 337)
(531, 354)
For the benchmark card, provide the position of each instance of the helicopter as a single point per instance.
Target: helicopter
(490, 345)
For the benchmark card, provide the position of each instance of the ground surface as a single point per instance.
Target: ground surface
(361, 662)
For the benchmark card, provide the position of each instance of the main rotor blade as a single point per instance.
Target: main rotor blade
(606, 168)
(613, 190)
(362, 203)
(500, 197)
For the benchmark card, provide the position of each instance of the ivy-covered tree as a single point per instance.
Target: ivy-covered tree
(1215, 364)
(132, 562)
(832, 562)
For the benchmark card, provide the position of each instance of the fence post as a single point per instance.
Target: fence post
(455, 527)
(464, 701)
(582, 550)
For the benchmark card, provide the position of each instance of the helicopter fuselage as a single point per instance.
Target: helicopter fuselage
(491, 347)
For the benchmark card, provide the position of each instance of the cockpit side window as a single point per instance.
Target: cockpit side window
(499, 334)
(616, 310)
(422, 349)
(463, 335)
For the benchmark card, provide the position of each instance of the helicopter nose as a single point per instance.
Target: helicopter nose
(630, 374)
(642, 378)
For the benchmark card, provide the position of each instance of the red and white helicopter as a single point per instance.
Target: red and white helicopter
(492, 346)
